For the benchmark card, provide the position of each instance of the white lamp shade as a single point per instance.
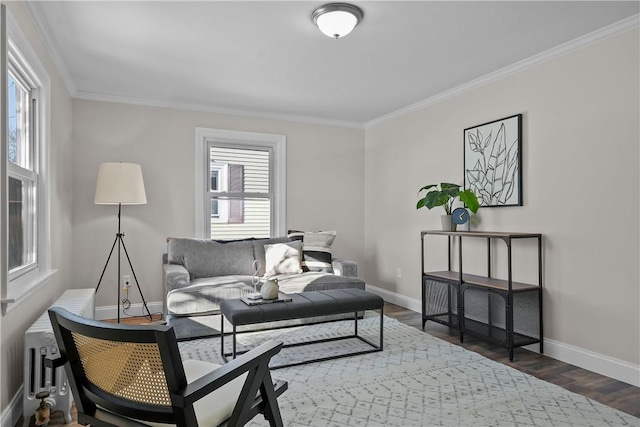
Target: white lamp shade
(337, 24)
(120, 183)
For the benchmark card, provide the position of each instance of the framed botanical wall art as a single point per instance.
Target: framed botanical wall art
(493, 161)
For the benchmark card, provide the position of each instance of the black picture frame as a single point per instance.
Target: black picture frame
(493, 161)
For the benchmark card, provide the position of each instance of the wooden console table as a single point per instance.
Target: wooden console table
(505, 312)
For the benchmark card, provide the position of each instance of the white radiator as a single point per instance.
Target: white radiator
(39, 342)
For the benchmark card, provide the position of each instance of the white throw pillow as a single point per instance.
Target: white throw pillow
(282, 258)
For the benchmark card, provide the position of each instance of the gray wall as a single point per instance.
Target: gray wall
(15, 323)
(581, 190)
(325, 172)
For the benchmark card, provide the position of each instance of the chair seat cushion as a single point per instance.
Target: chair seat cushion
(217, 406)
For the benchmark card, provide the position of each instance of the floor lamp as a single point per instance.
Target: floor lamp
(120, 184)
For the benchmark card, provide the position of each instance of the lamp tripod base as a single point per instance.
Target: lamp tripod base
(119, 240)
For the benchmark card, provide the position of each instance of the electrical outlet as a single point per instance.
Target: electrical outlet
(126, 280)
(398, 273)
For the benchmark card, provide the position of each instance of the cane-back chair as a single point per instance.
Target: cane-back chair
(125, 375)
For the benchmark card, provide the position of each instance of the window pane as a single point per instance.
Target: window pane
(215, 210)
(16, 226)
(19, 151)
(241, 170)
(21, 217)
(214, 180)
(12, 120)
(245, 217)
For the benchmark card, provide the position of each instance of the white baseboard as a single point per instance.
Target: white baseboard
(585, 359)
(111, 311)
(595, 362)
(12, 413)
(412, 304)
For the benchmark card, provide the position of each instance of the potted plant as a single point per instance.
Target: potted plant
(445, 196)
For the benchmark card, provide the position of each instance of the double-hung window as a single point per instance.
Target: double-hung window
(22, 174)
(25, 215)
(243, 192)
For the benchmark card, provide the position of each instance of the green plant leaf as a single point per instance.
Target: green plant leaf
(451, 190)
(470, 200)
(448, 186)
(426, 187)
(446, 195)
(435, 198)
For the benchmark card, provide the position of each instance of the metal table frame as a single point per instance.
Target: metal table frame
(379, 347)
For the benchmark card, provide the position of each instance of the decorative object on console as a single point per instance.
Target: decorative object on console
(445, 197)
(316, 249)
(493, 161)
(120, 184)
(336, 20)
(282, 258)
(460, 216)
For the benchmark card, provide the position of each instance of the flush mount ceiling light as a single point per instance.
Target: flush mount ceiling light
(337, 19)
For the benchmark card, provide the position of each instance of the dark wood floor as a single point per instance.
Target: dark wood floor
(610, 392)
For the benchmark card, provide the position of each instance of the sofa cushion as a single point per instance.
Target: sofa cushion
(316, 249)
(203, 296)
(258, 250)
(283, 258)
(206, 258)
(316, 281)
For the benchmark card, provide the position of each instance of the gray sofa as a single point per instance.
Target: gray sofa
(199, 274)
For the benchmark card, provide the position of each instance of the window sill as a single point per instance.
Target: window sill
(26, 289)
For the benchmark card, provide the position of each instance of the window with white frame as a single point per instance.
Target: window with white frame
(25, 155)
(22, 174)
(244, 174)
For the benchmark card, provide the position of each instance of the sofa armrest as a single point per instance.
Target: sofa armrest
(174, 276)
(344, 267)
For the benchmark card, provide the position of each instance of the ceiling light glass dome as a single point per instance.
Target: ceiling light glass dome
(336, 20)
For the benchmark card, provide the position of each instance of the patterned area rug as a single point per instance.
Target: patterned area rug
(418, 380)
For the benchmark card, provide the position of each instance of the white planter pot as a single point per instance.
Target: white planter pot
(447, 223)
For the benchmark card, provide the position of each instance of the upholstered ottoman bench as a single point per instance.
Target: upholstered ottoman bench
(304, 305)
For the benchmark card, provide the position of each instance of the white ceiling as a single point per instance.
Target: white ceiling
(267, 57)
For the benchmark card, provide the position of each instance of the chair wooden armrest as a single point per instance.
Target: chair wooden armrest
(204, 385)
(259, 393)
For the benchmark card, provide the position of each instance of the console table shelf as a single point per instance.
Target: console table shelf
(506, 312)
(483, 281)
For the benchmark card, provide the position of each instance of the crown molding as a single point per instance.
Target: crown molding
(34, 11)
(604, 33)
(91, 96)
(548, 55)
